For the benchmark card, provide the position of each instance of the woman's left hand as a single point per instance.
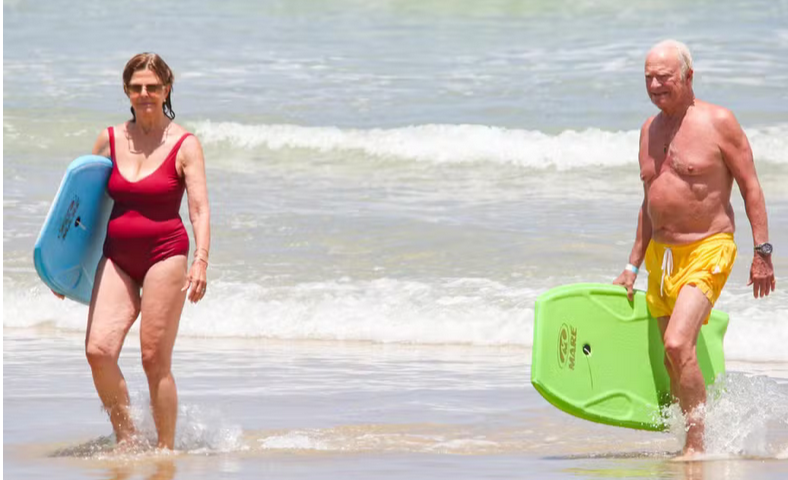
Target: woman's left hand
(196, 281)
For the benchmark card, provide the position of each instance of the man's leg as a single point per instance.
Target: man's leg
(681, 338)
(674, 388)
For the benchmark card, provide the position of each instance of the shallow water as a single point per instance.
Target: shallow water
(393, 184)
(322, 409)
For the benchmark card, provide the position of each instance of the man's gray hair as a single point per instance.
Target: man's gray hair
(682, 52)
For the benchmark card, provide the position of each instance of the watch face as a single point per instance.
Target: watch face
(765, 248)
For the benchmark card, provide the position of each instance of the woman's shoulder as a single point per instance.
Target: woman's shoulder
(179, 132)
(116, 130)
(176, 130)
(119, 128)
(190, 145)
(102, 144)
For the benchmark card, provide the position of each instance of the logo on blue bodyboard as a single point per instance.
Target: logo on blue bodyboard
(65, 225)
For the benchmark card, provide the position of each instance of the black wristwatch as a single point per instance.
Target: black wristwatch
(764, 249)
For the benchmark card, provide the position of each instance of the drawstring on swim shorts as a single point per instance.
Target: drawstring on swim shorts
(667, 268)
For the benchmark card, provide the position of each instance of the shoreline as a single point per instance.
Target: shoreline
(774, 369)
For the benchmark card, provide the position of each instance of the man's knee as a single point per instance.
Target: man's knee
(668, 365)
(678, 351)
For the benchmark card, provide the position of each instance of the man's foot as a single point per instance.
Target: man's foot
(696, 429)
(689, 455)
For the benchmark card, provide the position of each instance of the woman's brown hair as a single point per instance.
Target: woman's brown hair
(154, 63)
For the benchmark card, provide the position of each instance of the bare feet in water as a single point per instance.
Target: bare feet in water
(131, 445)
(689, 455)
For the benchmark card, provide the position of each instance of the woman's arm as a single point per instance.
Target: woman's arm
(193, 163)
(101, 147)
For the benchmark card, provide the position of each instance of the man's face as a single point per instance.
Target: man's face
(664, 84)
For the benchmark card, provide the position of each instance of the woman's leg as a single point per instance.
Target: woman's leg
(162, 304)
(114, 306)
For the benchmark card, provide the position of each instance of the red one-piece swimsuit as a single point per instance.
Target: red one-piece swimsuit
(145, 226)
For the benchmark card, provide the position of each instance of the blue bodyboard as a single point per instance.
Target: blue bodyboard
(71, 241)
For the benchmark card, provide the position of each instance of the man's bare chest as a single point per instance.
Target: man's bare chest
(690, 155)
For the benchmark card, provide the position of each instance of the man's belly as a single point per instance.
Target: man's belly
(678, 216)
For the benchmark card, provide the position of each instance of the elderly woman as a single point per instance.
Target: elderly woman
(145, 265)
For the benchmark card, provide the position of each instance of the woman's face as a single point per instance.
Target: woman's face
(146, 92)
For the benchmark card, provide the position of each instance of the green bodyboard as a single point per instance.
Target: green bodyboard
(600, 357)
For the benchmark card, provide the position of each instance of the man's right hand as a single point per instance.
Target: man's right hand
(627, 280)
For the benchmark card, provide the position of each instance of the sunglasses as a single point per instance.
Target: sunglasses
(152, 89)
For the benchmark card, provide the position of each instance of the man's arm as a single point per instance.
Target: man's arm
(642, 238)
(643, 232)
(737, 155)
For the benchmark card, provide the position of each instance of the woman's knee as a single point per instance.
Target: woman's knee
(155, 363)
(99, 353)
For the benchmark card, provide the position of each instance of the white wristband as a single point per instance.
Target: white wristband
(632, 268)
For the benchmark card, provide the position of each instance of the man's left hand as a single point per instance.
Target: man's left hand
(762, 276)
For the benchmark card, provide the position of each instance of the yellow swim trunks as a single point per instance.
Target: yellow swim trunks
(705, 264)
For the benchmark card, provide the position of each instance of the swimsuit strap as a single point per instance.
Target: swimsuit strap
(173, 155)
(177, 146)
(173, 152)
(111, 131)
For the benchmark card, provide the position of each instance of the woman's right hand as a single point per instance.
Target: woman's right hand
(58, 295)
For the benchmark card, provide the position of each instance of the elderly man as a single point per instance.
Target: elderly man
(690, 154)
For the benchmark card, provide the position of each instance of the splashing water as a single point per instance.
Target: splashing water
(200, 430)
(746, 416)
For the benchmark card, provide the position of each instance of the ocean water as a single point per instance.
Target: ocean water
(392, 185)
